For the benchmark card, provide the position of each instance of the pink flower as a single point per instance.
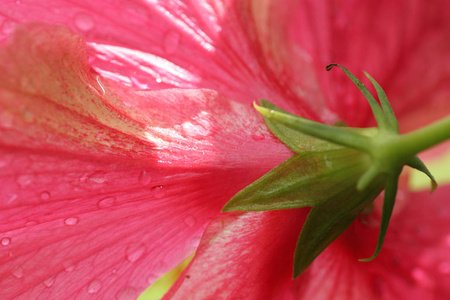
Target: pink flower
(120, 144)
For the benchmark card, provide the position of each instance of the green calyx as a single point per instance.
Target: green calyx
(338, 171)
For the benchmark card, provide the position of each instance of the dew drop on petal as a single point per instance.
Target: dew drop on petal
(144, 178)
(31, 223)
(190, 221)
(126, 293)
(84, 22)
(49, 282)
(106, 202)
(18, 273)
(6, 241)
(423, 278)
(24, 180)
(68, 266)
(171, 40)
(44, 196)
(151, 279)
(258, 137)
(71, 221)
(11, 198)
(134, 252)
(97, 177)
(7, 27)
(158, 191)
(94, 286)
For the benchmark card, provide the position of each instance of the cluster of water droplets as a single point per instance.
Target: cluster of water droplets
(83, 22)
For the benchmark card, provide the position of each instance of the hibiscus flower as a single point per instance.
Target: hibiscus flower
(125, 127)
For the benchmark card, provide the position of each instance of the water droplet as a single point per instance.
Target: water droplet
(31, 223)
(69, 266)
(106, 202)
(71, 221)
(6, 241)
(97, 177)
(10, 198)
(126, 293)
(7, 27)
(49, 282)
(18, 273)
(423, 278)
(114, 271)
(258, 136)
(84, 22)
(158, 191)
(24, 180)
(44, 195)
(171, 40)
(144, 178)
(151, 279)
(94, 286)
(198, 128)
(160, 268)
(134, 252)
(190, 221)
(158, 80)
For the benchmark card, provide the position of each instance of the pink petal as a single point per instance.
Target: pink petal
(257, 263)
(404, 45)
(161, 44)
(414, 263)
(99, 182)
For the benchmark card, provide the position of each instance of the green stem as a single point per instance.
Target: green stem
(424, 138)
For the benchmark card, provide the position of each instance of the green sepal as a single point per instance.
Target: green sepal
(306, 179)
(317, 173)
(294, 139)
(329, 219)
(418, 164)
(387, 108)
(378, 113)
(337, 135)
(388, 206)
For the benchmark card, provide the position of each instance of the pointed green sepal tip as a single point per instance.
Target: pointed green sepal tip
(388, 206)
(262, 110)
(416, 163)
(330, 66)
